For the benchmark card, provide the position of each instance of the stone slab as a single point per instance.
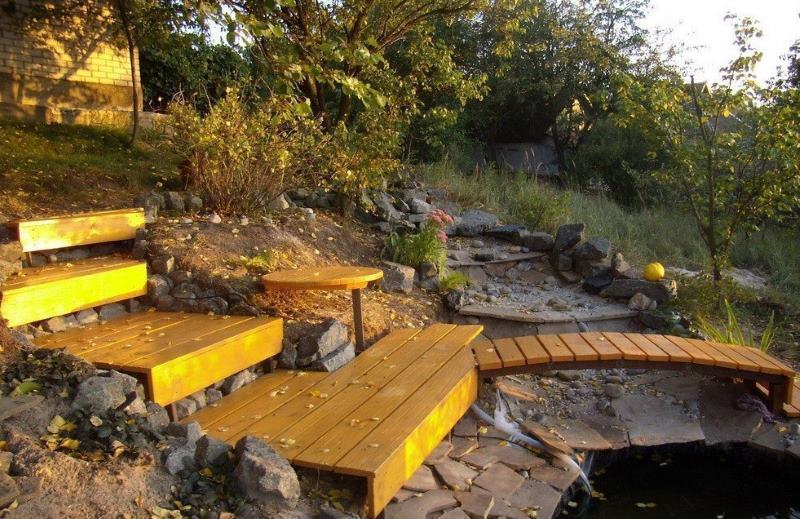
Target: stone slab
(653, 421)
(557, 477)
(12, 406)
(423, 506)
(475, 504)
(721, 421)
(440, 453)
(462, 447)
(538, 496)
(500, 480)
(455, 513)
(579, 435)
(422, 480)
(516, 457)
(455, 475)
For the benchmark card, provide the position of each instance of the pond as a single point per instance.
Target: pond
(692, 483)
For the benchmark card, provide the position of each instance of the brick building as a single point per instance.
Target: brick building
(64, 62)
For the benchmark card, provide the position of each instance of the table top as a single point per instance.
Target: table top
(340, 277)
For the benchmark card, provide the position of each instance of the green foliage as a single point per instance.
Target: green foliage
(453, 281)
(731, 331)
(264, 262)
(428, 245)
(51, 372)
(242, 155)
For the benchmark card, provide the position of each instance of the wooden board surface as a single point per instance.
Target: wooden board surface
(78, 229)
(378, 417)
(323, 278)
(179, 353)
(58, 290)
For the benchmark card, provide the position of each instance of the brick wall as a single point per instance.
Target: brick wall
(70, 67)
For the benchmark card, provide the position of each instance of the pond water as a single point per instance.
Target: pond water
(690, 484)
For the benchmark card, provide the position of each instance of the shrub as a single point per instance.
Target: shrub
(453, 281)
(731, 331)
(242, 155)
(427, 245)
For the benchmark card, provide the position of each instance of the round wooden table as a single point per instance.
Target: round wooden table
(329, 278)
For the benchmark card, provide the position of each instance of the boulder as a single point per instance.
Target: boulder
(184, 407)
(384, 204)
(104, 391)
(398, 278)
(512, 233)
(321, 340)
(262, 475)
(287, 359)
(210, 451)
(174, 201)
(179, 455)
(237, 381)
(193, 203)
(589, 268)
(112, 311)
(157, 286)
(659, 291)
(336, 359)
(428, 269)
(475, 222)
(11, 257)
(162, 265)
(213, 395)
(567, 236)
(592, 249)
(190, 431)
(279, 204)
(151, 202)
(454, 300)
(640, 302)
(562, 262)
(157, 417)
(595, 284)
(537, 241)
(419, 206)
(60, 323)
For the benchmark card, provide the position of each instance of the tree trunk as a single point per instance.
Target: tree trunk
(124, 18)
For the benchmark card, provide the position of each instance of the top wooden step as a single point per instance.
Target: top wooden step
(78, 229)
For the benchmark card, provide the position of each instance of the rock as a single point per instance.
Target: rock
(190, 431)
(59, 323)
(9, 490)
(100, 393)
(653, 420)
(592, 249)
(595, 284)
(321, 340)
(562, 262)
(157, 417)
(384, 204)
(618, 265)
(237, 381)
(512, 233)
(151, 202)
(210, 451)
(193, 203)
(179, 455)
(613, 391)
(485, 255)
(214, 218)
(659, 291)
(537, 241)
(213, 395)
(279, 204)
(639, 302)
(428, 269)
(591, 268)
(474, 222)
(421, 507)
(179, 276)
(136, 407)
(167, 303)
(454, 300)
(174, 201)
(213, 305)
(422, 480)
(477, 244)
(287, 359)
(112, 311)
(419, 206)
(398, 278)
(475, 504)
(6, 458)
(500, 480)
(568, 376)
(455, 475)
(262, 475)
(199, 398)
(157, 286)
(567, 236)
(162, 265)
(653, 320)
(140, 249)
(336, 359)
(184, 407)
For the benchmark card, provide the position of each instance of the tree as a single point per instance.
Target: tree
(733, 147)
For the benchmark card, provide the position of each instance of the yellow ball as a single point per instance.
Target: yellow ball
(654, 272)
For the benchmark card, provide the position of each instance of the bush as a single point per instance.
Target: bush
(243, 155)
(428, 245)
(454, 281)
(731, 331)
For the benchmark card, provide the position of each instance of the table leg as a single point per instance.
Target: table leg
(358, 324)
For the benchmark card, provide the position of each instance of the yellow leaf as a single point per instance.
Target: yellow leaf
(70, 443)
(207, 472)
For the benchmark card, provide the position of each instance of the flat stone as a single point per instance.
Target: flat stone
(538, 241)
(593, 249)
(720, 419)
(12, 406)
(653, 421)
(475, 222)
(112, 311)
(660, 291)
(516, 457)
(466, 427)
(499, 480)
(455, 513)
(476, 274)
(578, 435)
(559, 478)
(482, 458)
(404, 495)
(440, 453)
(501, 510)
(423, 506)
(336, 359)
(547, 436)
(422, 480)
(681, 386)
(535, 495)
(6, 458)
(768, 436)
(475, 504)
(455, 475)
(462, 447)
(9, 490)
(568, 235)
(611, 429)
(497, 269)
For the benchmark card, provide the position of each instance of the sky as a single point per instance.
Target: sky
(701, 24)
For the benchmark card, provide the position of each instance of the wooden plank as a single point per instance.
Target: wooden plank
(322, 278)
(371, 407)
(653, 352)
(486, 354)
(94, 332)
(557, 350)
(629, 350)
(582, 350)
(765, 364)
(86, 347)
(76, 293)
(533, 350)
(184, 374)
(675, 352)
(392, 452)
(509, 353)
(742, 362)
(720, 359)
(79, 229)
(698, 356)
(32, 278)
(604, 348)
(280, 412)
(785, 370)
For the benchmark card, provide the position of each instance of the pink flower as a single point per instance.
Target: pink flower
(442, 236)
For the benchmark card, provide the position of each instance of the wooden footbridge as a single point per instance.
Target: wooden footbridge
(376, 418)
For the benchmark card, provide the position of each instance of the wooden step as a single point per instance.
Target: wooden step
(78, 229)
(378, 417)
(40, 293)
(175, 354)
(790, 409)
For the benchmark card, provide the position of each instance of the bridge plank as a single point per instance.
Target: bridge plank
(653, 352)
(509, 353)
(533, 350)
(486, 354)
(629, 350)
(719, 357)
(675, 352)
(765, 364)
(605, 348)
(698, 356)
(579, 347)
(97, 332)
(557, 350)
